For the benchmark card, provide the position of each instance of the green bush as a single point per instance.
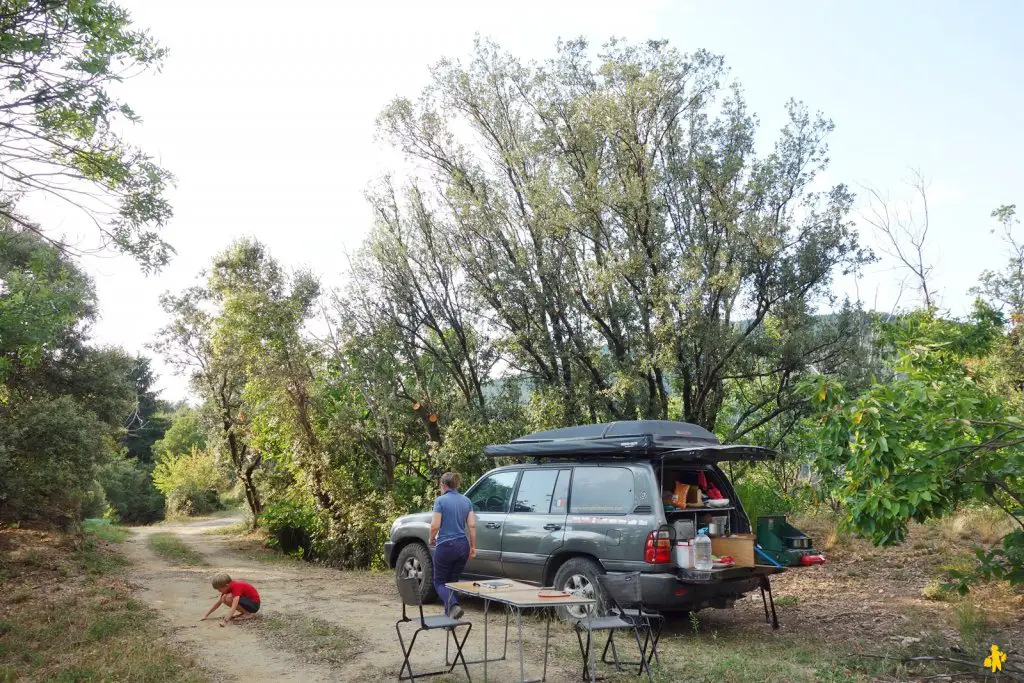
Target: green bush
(190, 482)
(350, 535)
(130, 492)
(94, 503)
(50, 455)
(357, 531)
(292, 526)
(760, 496)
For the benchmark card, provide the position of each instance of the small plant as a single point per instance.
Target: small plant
(786, 601)
(695, 623)
(937, 591)
(971, 622)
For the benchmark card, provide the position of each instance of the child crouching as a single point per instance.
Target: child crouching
(241, 598)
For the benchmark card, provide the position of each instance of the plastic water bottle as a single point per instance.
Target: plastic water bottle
(702, 551)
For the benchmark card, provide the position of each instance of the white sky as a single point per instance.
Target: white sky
(265, 113)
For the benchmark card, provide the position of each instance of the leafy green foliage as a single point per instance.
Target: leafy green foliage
(190, 482)
(218, 374)
(52, 450)
(43, 298)
(1002, 563)
(761, 495)
(63, 403)
(130, 493)
(61, 120)
(605, 228)
(292, 527)
(1005, 288)
(937, 435)
(186, 431)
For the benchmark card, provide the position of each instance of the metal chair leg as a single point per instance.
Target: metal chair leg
(407, 653)
(615, 655)
(459, 654)
(656, 636)
(585, 651)
(643, 655)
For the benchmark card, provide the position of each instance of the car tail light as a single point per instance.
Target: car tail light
(658, 549)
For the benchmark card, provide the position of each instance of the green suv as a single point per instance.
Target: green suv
(589, 500)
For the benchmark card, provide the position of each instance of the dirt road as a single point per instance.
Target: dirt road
(363, 605)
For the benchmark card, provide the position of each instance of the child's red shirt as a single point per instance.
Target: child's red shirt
(244, 590)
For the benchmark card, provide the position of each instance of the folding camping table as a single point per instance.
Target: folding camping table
(516, 597)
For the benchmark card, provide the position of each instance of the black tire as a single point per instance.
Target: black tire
(414, 560)
(579, 575)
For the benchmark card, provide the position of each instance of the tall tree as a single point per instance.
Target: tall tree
(1005, 288)
(615, 231)
(943, 431)
(262, 310)
(61, 121)
(147, 421)
(218, 375)
(62, 401)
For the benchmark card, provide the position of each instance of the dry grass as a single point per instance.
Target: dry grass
(71, 616)
(983, 525)
(311, 639)
(173, 549)
(236, 529)
(253, 546)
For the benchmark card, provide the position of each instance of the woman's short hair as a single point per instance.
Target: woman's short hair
(451, 479)
(221, 580)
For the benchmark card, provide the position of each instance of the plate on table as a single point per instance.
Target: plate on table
(553, 594)
(718, 503)
(723, 565)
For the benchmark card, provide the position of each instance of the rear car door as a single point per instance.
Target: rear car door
(535, 527)
(491, 498)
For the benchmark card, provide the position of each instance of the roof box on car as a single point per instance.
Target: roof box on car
(639, 439)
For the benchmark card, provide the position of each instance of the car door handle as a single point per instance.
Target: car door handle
(493, 525)
(552, 527)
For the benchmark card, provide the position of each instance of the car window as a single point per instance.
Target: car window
(494, 493)
(606, 490)
(535, 489)
(560, 501)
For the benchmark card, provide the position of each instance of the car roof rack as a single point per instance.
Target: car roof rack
(635, 439)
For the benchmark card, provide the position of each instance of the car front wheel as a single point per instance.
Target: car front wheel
(414, 562)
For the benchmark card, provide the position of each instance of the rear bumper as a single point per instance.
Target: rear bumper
(667, 592)
(389, 548)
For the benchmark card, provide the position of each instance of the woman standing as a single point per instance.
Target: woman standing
(453, 527)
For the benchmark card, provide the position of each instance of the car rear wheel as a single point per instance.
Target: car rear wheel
(578, 575)
(414, 562)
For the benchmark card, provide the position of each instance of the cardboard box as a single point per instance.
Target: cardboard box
(740, 547)
(693, 497)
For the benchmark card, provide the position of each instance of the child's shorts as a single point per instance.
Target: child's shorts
(250, 606)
